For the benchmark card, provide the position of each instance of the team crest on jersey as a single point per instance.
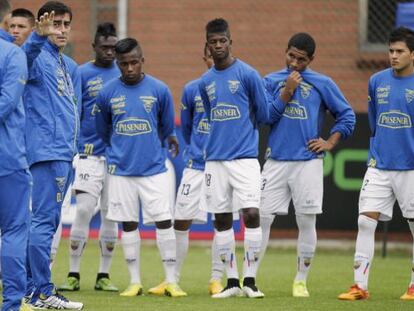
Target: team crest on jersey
(148, 102)
(409, 95)
(61, 181)
(305, 89)
(233, 85)
(382, 94)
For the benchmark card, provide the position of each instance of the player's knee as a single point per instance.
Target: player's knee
(182, 225)
(365, 222)
(251, 217)
(129, 226)
(165, 224)
(223, 222)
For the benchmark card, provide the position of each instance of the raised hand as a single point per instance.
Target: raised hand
(44, 26)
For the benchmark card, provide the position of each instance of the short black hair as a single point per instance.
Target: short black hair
(403, 34)
(22, 12)
(59, 8)
(304, 42)
(105, 30)
(127, 45)
(4, 9)
(218, 25)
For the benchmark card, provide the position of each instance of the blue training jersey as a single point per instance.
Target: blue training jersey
(93, 79)
(301, 119)
(195, 126)
(134, 120)
(235, 102)
(390, 113)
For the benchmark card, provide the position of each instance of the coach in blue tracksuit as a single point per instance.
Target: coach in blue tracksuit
(52, 129)
(14, 175)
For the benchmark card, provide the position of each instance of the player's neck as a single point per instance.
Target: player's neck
(221, 64)
(405, 72)
(100, 64)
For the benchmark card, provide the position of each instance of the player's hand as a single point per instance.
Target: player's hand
(44, 26)
(293, 81)
(173, 146)
(320, 145)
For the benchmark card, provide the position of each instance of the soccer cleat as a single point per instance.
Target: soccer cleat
(215, 287)
(299, 289)
(174, 290)
(72, 284)
(132, 290)
(105, 284)
(56, 301)
(409, 294)
(227, 292)
(159, 289)
(354, 293)
(251, 291)
(25, 307)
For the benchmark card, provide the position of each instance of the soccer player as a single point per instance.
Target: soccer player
(90, 185)
(390, 173)
(294, 168)
(14, 174)
(135, 115)
(235, 101)
(21, 24)
(195, 129)
(52, 130)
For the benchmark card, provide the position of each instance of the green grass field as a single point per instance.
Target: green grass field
(330, 275)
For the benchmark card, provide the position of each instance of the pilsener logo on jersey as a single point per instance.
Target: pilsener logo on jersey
(203, 126)
(294, 110)
(132, 127)
(225, 112)
(394, 120)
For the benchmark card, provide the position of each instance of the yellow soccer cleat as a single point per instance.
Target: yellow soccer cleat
(174, 290)
(215, 287)
(25, 307)
(299, 289)
(354, 293)
(158, 290)
(409, 294)
(132, 291)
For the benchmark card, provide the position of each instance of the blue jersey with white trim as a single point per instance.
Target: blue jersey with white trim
(301, 119)
(195, 126)
(390, 114)
(235, 102)
(93, 79)
(134, 120)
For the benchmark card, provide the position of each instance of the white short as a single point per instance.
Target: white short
(126, 192)
(380, 189)
(90, 175)
(187, 206)
(146, 219)
(300, 181)
(224, 180)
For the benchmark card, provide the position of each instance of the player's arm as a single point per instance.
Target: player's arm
(103, 119)
(204, 98)
(276, 106)
(372, 108)
(12, 86)
(259, 98)
(186, 115)
(166, 122)
(75, 74)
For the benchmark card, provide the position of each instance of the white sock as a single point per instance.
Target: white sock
(167, 248)
(252, 245)
(55, 245)
(108, 236)
(217, 267)
(131, 243)
(364, 250)
(411, 225)
(85, 205)
(226, 245)
(306, 244)
(266, 225)
(182, 240)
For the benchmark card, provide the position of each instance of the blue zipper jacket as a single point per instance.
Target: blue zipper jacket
(194, 126)
(295, 123)
(134, 120)
(52, 102)
(13, 77)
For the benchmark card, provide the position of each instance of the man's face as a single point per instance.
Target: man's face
(400, 56)
(130, 65)
(219, 45)
(105, 50)
(297, 59)
(20, 28)
(63, 24)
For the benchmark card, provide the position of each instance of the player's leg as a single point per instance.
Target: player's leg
(409, 294)
(50, 183)
(55, 244)
(123, 206)
(376, 202)
(14, 223)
